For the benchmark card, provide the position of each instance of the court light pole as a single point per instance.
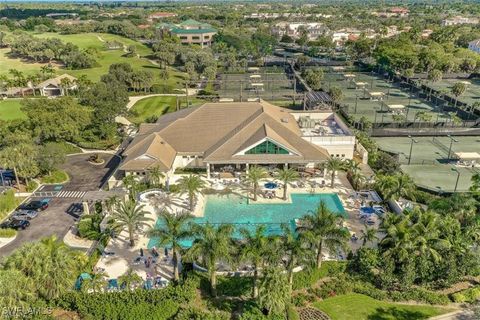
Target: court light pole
(452, 140)
(458, 178)
(411, 148)
(356, 102)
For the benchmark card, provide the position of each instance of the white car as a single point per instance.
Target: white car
(25, 214)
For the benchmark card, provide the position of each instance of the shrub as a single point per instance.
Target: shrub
(251, 311)
(31, 186)
(8, 202)
(136, 305)
(459, 298)
(191, 313)
(292, 313)
(57, 176)
(8, 233)
(300, 299)
(471, 295)
(413, 294)
(306, 278)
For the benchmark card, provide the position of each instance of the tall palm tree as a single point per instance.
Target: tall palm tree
(131, 183)
(369, 235)
(211, 244)
(294, 251)
(172, 230)
(96, 283)
(254, 175)
(256, 248)
(333, 165)
(154, 175)
(274, 291)
(191, 185)
(128, 215)
(287, 175)
(323, 229)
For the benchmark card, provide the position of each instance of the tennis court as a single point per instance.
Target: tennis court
(471, 95)
(371, 96)
(430, 166)
(269, 84)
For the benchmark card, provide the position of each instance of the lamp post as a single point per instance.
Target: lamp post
(411, 148)
(452, 140)
(458, 178)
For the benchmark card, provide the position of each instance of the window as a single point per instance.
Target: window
(343, 156)
(195, 38)
(267, 147)
(183, 38)
(206, 37)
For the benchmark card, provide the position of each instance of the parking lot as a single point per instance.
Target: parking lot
(62, 212)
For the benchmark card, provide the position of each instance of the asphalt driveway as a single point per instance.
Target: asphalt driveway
(63, 212)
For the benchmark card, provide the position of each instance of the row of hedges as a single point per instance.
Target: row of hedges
(8, 233)
(130, 305)
(413, 294)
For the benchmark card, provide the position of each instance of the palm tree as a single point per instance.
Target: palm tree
(257, 249)
(323, 229)
(131, 216)
(50, 264)
(96, 283)
(211, 244)
(458, 89)
(130, 279)
(191, 185)
(274, 291)
(131, 183)
(395, 186)
(65, 84)
(369, 235)
(254, 175)
(154, 175)
(294, 250)
(287, 175)
(172, 230)
(110, 204)
(333, 165)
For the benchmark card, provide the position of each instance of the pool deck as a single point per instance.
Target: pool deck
(119, 263)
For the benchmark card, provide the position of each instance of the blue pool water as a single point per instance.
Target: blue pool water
(237, 210)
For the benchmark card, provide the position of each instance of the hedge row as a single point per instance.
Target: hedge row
(470, 295)
(130, 305)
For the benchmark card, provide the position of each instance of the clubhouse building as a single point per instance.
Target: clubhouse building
(229, 137)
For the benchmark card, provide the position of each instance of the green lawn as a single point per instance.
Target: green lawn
(105, 57)
(157, 106)
(361, 307)
(10, 109)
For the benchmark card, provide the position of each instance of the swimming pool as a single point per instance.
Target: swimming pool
(236, 210)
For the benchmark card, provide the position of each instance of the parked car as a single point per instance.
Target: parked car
(25, 214)
(379, 210)
(15, 224)
(37, 205)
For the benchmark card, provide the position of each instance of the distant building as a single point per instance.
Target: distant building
(474, 45)
(342, 35)
(426, 33)
(459, 20)
(393, 12)
(161, 15)
(57, 86)
(294, 29)
(191, 32)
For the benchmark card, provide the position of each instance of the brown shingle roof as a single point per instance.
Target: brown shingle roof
(219, 131)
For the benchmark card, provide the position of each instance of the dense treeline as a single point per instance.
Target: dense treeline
(45, 50)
